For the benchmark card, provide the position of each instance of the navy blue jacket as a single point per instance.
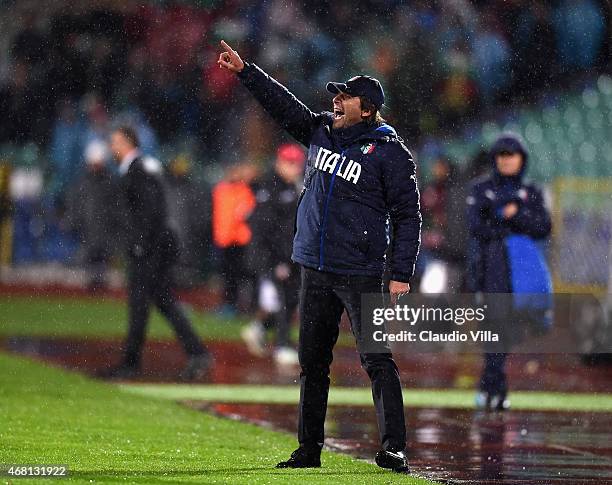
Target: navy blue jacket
(488, 268)
(357, 181)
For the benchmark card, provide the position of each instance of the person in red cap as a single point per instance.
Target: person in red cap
(272, 224)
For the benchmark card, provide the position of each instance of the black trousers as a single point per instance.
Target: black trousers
(323, 297)
(149, 281)
(97, 261)
(233, 272)
(288, 292)
(493, 379)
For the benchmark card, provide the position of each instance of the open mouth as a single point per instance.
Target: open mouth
(338, 113)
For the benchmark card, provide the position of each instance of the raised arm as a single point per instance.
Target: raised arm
(276, 99)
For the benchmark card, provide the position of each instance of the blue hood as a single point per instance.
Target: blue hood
(509, 142)
(385, 130)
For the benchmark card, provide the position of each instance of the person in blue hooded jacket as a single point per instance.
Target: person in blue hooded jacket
(360, 179)
(506, 219)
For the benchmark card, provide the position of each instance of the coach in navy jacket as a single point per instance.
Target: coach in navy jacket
(360, 184)
(357, 179)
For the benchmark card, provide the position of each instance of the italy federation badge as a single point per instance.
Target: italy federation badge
(368, 148)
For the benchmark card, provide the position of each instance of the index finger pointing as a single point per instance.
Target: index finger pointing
(226, 46)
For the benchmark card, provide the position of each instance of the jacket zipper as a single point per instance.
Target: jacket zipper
(326, 209)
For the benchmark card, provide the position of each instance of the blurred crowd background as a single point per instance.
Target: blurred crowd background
(456, 73)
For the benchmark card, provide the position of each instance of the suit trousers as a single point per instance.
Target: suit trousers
(149, 281)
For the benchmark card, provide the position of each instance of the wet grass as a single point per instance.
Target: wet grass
(435, 398)
(34, 316)
(104, 434)
(103, 318)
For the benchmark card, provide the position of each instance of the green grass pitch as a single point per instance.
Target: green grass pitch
(104, 434)
(358, 396)
(84, 317)
(106, 318)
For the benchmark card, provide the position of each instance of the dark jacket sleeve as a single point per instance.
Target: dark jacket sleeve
(147, 204)
(280, 103)
(482, 222)
(474, 259)
(532, 218)
(402, 199)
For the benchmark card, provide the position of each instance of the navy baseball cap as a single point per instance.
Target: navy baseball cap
(360, 86)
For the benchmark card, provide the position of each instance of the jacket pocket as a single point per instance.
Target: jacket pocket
(363, 239)
(375, 232)
(348, 234)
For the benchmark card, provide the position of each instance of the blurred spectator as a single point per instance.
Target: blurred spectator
(477, 166)
(438, 55)
(272, 223)
(29, 45)
(441, 248)
(25, 192)
(580, 28)
(534, 44)
(458, 91)
(232, 204)
(93, 213)
(66, 148)
(96, 119)
(491, 58)
(189, 216)
(505, 216)
(68, 72)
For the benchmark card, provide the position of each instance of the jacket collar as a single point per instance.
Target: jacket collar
(383, 132)
(362, 131)
(127, 161)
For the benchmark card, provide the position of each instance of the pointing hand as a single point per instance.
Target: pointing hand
(229, 59)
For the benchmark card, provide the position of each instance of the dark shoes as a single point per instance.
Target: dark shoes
(197, 367)
(393, 460)
(302, 458)
(120, 372)
(492, 402)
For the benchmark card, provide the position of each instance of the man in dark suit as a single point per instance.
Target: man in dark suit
(152, 250)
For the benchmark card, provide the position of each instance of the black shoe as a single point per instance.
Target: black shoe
(394, 460)
(302, 458)
(492, 402)
(500, 402)
(120, 372)
(197, 367)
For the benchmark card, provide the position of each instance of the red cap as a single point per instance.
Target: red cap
(291, 152)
